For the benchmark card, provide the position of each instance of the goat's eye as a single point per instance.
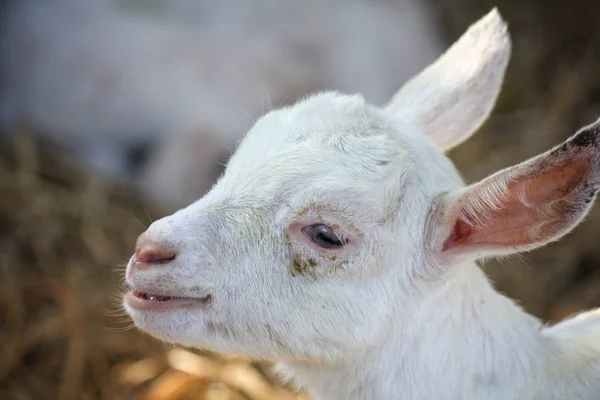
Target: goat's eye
(322, 235)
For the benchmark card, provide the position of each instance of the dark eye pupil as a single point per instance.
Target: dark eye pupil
(323, 236)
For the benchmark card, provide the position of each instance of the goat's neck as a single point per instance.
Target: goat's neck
(470, 342)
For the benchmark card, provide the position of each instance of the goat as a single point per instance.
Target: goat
(341, 243)
(184, 78)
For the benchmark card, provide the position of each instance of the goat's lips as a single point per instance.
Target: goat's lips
(151, 297)
(145, 301)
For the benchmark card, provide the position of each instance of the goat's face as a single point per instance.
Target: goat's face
(335, 218)
(299, 249)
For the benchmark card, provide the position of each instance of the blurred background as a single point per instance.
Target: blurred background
(116, 112)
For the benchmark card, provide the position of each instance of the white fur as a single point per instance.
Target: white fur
(390, 315)
(191, 75)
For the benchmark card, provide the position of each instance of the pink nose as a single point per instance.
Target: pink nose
(149, 252)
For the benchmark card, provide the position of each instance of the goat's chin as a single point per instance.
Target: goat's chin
(187, 327)
(164, 321)
(195, 331)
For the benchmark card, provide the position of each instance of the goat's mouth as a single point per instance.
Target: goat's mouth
(153, 297)
(145, 301)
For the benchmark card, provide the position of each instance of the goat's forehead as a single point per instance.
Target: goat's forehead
(329, 141)
(322, 118)
(324, 129)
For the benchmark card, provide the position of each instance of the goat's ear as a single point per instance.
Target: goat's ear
(452, 97)
(521, 207)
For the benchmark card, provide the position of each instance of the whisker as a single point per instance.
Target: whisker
(246, 113)
(268, 97)
(114, 329)
(340, 238)
(148, 215)
(141, 224)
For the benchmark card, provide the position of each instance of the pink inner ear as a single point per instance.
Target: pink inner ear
(527, 204)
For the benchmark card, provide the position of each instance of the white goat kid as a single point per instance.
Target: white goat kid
(341, 243)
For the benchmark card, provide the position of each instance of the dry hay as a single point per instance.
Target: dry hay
(63, 233)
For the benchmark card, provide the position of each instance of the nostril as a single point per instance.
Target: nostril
(148, 251)
(154, 254)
